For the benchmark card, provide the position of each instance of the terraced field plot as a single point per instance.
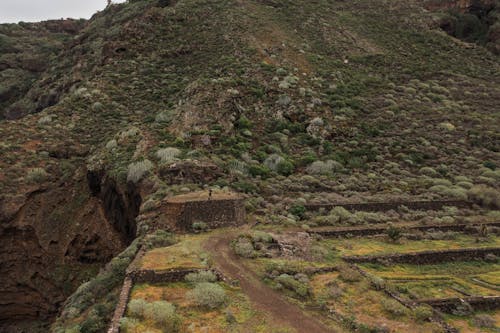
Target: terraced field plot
(380, 245)
(236, 315)
(454, 279)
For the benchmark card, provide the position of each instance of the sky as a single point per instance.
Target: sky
(13, 11)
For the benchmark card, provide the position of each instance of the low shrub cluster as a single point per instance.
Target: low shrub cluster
(298, 284)
(161, 313)
(208, 295)
(202, 276)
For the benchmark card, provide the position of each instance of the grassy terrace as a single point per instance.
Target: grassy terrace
(187, 253)
(372, 246)
(236, 315)
(466, 324)
(455, 279)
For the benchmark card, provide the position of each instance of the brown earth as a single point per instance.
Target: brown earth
(263, 297)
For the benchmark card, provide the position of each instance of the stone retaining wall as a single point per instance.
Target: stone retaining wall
(370, 231)
(166, 276)
(215, 213)
(427, 257)
(121, 307)
(386, 206)
(478, 303)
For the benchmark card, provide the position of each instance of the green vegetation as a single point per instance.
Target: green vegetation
(206, 294)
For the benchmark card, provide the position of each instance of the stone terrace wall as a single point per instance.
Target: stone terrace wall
(121, 307)
(215, 213)
(427, 257)
(386, 206)
(370, 231)
(166, 276)
(478, 303)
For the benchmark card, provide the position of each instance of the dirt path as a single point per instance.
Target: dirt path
(263, 297)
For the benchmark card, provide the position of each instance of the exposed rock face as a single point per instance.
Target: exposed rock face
(54, 240)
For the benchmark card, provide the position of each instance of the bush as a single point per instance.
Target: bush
(300, 288)
(484, 321)
(208, 295)
(244, 248)
(200, 226)
(298, 210)
(324, 168)
(128, 325)
(394, 233)
(422, 313)
(285, 168)
(349, 274)
(160, 238)
(485, 196)
(36, 175)
(202, 276)
(258, 170)
(272, 162)
(393, 307)
(163, 315)
(136, 171)
(137, 307)
(168, 155)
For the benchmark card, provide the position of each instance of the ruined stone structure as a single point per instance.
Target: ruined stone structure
(218, 210)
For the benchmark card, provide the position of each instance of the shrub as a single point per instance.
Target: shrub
(208, 295)
(128, 325)
(163, 314)
(244, 122)
(394, 233)
(136, 171)
(137, 307)
(45, 120)
(342, 213)
(244, 248)
(285, 168)
(36, 175)
(324, 168)
(422, 313)
(160, 238)
(298, 287)
(298, 210)
(200, 226)
(261, 236)
(164, 117)
(202, 276)
(258, 170)
(454, 192)
(112, 144)
(484, 321)
(485, 196)
(168, 155)
(272, 162)
(349, 274)
(393, 307)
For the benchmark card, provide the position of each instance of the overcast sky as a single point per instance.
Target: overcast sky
(13, 11)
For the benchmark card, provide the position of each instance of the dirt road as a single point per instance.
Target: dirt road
(263, 297)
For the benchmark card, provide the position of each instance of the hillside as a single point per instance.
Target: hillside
(287, 102)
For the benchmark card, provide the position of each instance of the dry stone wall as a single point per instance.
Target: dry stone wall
(427, 257)
(214, 213)
(386, 206)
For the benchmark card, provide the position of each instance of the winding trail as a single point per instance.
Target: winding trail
(262, 296)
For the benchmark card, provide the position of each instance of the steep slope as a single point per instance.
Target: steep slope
(360, 99)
